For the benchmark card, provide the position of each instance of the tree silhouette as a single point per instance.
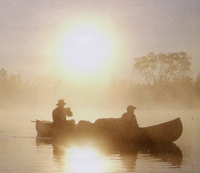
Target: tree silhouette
(3, 74)
(197, 85)
(163, 67)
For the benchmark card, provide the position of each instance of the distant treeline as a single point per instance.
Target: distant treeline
(176, 94)
(45, 91)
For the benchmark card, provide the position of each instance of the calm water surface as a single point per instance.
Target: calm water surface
(20, 151)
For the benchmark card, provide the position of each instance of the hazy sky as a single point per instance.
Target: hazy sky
(30, 31)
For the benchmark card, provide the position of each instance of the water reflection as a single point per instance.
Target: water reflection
(129, 160)
(78, 160)
(43, 141)
(121, 158)
(169, 153)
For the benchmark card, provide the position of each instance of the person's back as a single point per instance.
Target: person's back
(60, 112)
(129, 118)
(59, 115)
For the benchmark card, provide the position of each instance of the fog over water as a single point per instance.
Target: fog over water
(85, 53)
(21, 151)
(23, 102)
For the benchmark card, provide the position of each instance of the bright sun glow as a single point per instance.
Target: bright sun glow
(84, 50)
(85, 161)
(86, 46)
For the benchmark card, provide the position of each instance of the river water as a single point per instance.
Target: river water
(21, 151)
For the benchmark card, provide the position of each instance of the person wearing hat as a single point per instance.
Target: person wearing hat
(129, 118)
(59, 114)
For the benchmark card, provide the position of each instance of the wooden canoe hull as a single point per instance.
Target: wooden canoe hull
(167, 132)
(44, 128)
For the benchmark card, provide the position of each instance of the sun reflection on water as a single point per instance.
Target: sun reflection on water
(85, 160)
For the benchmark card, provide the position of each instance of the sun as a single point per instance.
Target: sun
(85, 48)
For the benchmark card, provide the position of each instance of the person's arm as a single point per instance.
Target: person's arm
(69, 113)
(135, 124)
(54, 116)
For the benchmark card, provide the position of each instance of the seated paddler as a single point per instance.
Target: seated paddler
(129, 118)
(60, 112)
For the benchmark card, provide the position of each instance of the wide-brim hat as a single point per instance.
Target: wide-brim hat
(61, 102)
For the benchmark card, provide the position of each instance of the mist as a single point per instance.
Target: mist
(37, 98)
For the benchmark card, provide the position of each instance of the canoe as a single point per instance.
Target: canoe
(167, 132)
(46, 129)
